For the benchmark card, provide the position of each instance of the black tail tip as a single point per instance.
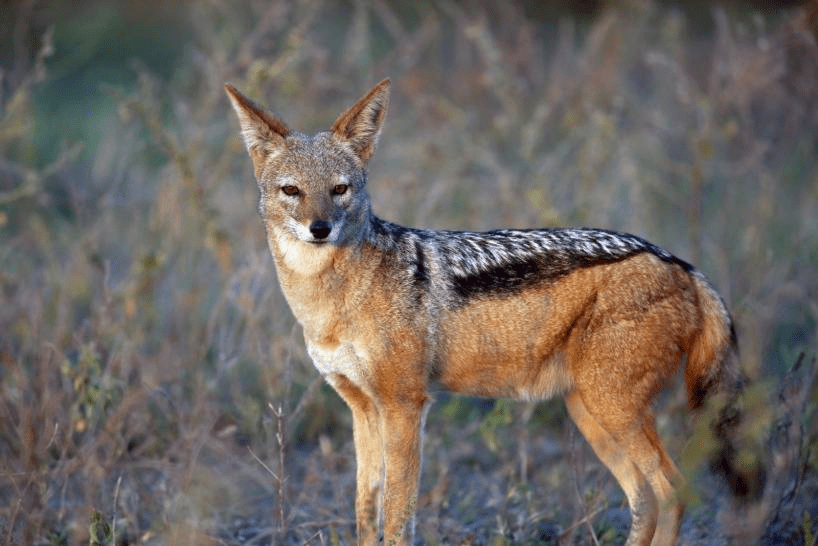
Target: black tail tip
(743, 469)
(744, 476)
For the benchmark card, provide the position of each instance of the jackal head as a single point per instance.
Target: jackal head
(313, 188)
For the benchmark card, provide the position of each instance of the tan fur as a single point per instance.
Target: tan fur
(382, 327)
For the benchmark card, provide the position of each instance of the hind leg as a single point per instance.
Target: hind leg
(645, 450)
(630, 447)
(642, 502)
(666, 481)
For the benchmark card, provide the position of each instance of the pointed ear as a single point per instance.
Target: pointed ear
(263, 133)
(361, 124)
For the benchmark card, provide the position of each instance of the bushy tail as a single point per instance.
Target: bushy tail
(713, 364)
(712, 358)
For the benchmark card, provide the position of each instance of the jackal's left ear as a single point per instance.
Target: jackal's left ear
(263, 133)
(361, 124)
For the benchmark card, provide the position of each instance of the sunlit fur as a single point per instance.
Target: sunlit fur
(391, 313)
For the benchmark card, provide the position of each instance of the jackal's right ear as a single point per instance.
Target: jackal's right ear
(263, 133)
(361, 124)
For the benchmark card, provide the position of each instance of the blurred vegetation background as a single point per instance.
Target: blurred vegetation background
(154, 387)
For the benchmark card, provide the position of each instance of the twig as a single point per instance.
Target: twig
(584, 520)
(116, 500)
(318, 534)
(13, 520)
(267, 468)
(304, 400)
(281, 421)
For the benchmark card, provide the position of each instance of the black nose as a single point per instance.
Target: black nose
(320, 229)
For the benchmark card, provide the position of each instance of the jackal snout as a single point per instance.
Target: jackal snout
(320, 229)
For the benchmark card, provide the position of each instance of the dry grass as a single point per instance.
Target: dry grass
(143, 338)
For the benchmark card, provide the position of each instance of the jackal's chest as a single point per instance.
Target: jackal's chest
(342, 359)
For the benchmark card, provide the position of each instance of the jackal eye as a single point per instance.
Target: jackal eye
(289, 190)
(340, 189)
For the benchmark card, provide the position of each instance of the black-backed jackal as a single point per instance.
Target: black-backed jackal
(601, 318)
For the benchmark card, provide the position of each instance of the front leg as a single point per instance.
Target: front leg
(402, 433)
(369, 458)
